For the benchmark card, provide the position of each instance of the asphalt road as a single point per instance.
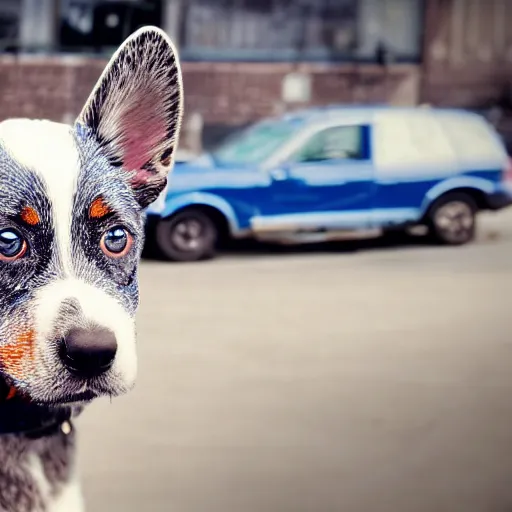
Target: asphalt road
(325, 380)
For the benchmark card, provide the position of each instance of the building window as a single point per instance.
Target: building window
(300, 29)
(284, 29)
(10, 17)
(100, 26)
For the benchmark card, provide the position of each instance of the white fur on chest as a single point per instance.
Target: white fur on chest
(69, 499)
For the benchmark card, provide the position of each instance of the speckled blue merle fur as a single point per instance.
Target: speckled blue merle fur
(100, 178)
(72, 201)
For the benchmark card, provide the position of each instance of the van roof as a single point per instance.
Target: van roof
(364, 113)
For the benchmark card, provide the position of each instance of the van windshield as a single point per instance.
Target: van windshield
(255, 144)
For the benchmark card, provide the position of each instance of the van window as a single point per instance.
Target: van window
(337, 143)
(254, 144)
(472, 138)
(406, 140)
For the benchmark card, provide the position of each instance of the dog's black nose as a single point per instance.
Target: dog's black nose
(88, 352)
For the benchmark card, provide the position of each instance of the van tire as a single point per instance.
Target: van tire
(189, 235)
(452, 219)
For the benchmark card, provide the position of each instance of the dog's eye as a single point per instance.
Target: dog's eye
(12, 245)
(116, 242)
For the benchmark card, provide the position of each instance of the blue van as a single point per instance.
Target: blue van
(322, 173)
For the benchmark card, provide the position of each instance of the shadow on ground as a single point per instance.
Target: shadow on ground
(249, 247)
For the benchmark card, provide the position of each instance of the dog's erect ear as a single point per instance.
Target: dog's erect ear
(135, 110)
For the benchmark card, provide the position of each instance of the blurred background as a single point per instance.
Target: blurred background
(238, 55)
(335, 377)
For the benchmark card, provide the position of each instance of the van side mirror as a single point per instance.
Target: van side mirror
(280, 173)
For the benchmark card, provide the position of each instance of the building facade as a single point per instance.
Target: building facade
(246, 59)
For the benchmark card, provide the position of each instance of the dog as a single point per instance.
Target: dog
(72, 203)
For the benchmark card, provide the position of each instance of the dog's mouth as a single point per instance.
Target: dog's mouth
(73, 395)
(67, 399)
(76, 398)
(83, 394)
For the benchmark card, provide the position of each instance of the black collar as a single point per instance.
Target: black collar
(33, 421)
(19, 417)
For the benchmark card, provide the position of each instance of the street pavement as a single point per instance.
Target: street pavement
(320, 379)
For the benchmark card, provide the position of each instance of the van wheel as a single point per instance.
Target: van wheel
(452, 219)
(190, 235)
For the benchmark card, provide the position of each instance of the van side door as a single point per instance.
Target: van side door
(330, 176)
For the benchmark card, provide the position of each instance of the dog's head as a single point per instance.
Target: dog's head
(71, 227)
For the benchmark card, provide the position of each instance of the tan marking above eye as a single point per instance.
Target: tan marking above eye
(30, 216)
(99, 208)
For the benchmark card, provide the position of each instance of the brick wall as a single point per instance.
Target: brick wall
(458, 70)
(225, 94)
(237, 93)
(467, 56)
(46, 87)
